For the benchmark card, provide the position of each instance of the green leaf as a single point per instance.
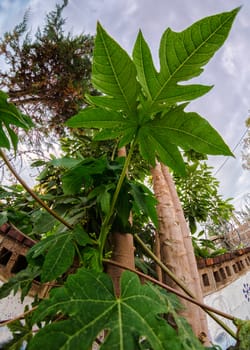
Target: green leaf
(72, 181)
(13, 137)
(21, 281)
(81, 236)
(58, 251)
(96, 118)
(44, 222)
(182, 55)
(4, 141)
(105, 199)
(113, 124)
(80, 175)
(21, 333)
(59, 258)
(189, 131)
(65, 162)
(145, 201)
(3, 217)
(184, 330)
(88, 300)
(146, 72)
(153, 145)
(114, 73)
(243, 331)
(154, 84)
(150, 116)
(91, 258)
(10, 115)
(123, 208)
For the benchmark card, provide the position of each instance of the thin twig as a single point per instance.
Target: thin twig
(20, 317)
(170, 289)
(32, 193)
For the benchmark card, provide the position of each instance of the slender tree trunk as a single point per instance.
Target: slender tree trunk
(195, 278)
(157, 251)
(122, 245)
(176, 252)
(123, 253)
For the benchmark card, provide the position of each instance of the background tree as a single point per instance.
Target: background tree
(199, 193)
(47, 74)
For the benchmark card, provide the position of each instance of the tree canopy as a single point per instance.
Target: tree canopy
(48, 73)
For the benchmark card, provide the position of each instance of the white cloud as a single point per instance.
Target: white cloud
(229, 60)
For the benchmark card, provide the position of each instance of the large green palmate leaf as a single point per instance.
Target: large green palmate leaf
(141, 104)
(182, 56)
(10, 116)
(189, 131)
(158, 90)
(78, 176)
(113, 124)
(88, 302)
(114, 74)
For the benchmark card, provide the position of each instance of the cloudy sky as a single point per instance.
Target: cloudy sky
(226, 106)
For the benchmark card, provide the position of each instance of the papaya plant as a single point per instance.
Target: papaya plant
(140, 107)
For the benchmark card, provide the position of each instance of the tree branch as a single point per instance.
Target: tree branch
(32, 193)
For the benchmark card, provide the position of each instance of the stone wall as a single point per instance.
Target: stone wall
(14, 245)
(218, 272)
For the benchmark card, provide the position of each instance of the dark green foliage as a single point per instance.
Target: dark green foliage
(199, 195)
(243, 332)
(58, 252)
(205, 247)
(17, 207)
(11, 117)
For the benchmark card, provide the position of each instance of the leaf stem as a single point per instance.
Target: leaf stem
(31, 192)
(182, 285)
(107, 221)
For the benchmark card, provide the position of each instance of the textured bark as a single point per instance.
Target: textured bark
(123, 253)
(195, 278)
(176, 252)
(157, 251)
